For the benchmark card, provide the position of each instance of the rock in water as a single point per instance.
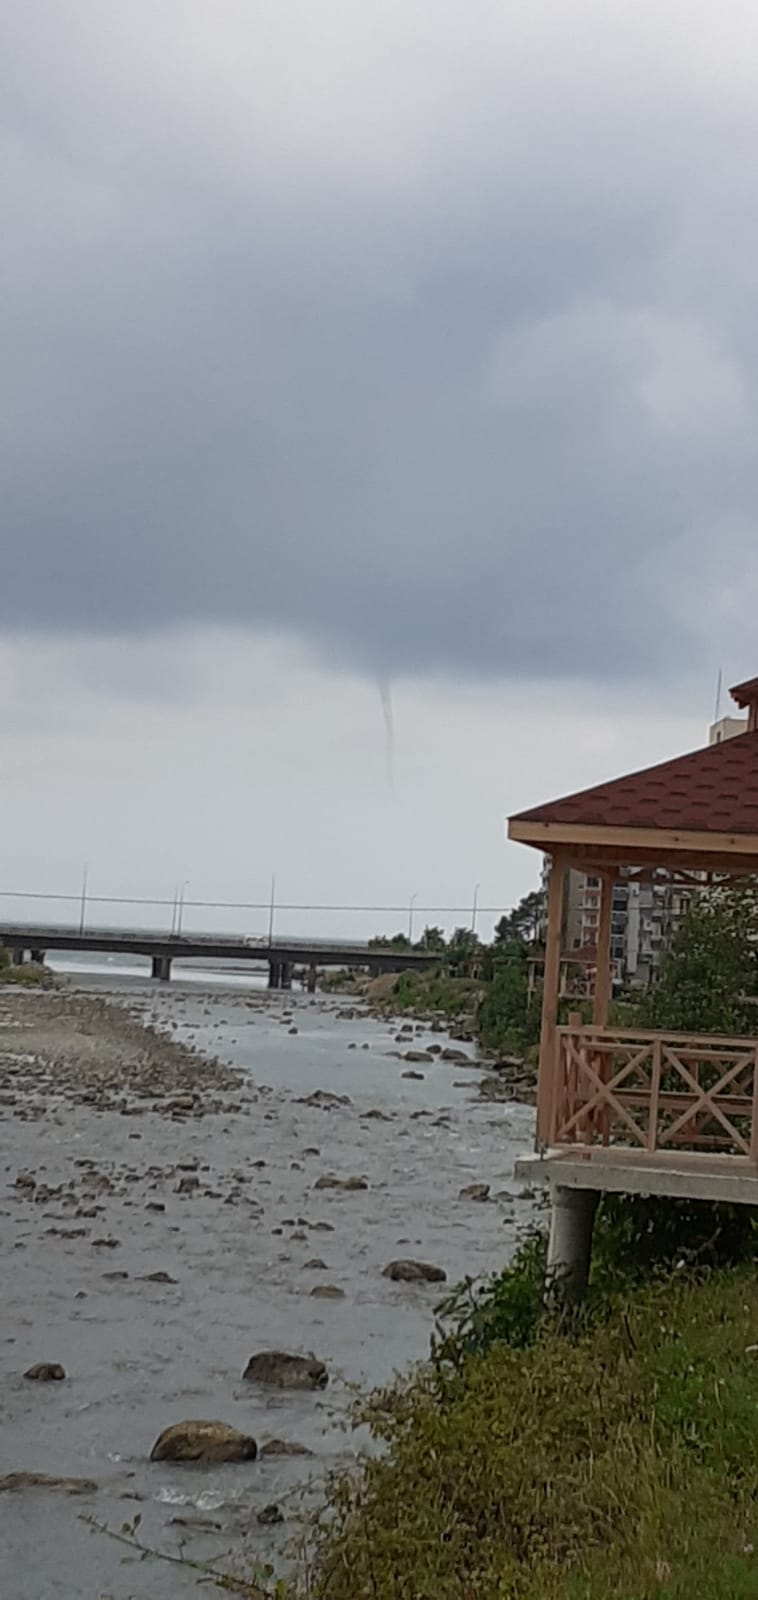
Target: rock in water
(414, 1272)
(270, 1515)
(475, 1191)
(205, 1442)
(282, 1371)
(40, 1480)
(348, 1185)
(323, 1098)
(46, 1372)
(327, 1291)
(284, 1447)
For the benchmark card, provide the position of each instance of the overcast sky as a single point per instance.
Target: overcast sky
(371, 364)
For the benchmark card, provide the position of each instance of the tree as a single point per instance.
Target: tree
(398, 941)
(432, 939)
(463, 944)
(710, 976)
(523, 923)
(506, 1018)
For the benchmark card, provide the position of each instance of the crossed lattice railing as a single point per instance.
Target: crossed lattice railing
(655, 1090)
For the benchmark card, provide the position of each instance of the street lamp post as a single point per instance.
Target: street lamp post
(411, 905)
(180, 906)
(474, 910)
(271, 909)
(84, 899)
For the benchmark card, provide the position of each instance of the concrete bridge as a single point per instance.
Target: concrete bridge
(279, 955)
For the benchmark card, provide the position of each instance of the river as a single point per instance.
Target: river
(140, 1355)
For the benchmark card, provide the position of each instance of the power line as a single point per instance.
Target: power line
(246, 905)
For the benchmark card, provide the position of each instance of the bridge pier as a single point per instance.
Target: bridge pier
(38, 956)
(280, 974)
(162, 968)
(19, 957)
(311, 980)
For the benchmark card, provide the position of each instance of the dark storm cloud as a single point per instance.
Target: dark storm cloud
(465, 417)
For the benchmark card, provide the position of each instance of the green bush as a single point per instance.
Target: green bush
(637, 1239)
(621, 1463)
(431, 994)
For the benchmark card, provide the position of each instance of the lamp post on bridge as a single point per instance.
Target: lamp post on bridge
(180, 906)
(83, 912)
(474, 910)
(411, 905)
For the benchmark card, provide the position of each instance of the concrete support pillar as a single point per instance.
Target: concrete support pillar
(38, 956)
(275, 975)
(286, 975)
(19, 957)
(162, 968)
(569, 1250)
(311, 980)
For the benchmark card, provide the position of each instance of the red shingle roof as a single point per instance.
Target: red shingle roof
(745, 694)
(713, 790)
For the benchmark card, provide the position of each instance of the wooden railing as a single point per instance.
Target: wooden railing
(655, 1091)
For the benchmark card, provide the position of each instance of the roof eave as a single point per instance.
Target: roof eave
(666, 846)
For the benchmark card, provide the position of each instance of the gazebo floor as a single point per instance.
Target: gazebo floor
(683, 1174)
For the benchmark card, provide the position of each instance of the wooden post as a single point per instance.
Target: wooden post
(548, 1064)
(603, 969)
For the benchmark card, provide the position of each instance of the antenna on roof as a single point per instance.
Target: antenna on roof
(718, 695)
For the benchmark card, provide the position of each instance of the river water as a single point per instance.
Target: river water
(140, 1355)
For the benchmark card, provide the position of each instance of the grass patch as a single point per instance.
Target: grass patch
(29, 976)
(622, 1462)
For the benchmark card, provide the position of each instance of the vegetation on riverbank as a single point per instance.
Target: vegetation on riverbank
(609, 1452)
(30, 974)
(484, 992)
(619, 1462)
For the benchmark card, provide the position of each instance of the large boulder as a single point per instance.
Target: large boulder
(414, 1272)
(279, 1370)
(46, 1372)
(205, 1442)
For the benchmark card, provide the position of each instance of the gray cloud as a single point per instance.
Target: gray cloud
(427, 342)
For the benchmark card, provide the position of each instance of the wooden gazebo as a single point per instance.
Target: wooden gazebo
(636, 1110)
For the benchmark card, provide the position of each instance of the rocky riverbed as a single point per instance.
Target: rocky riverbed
(188, 1179)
